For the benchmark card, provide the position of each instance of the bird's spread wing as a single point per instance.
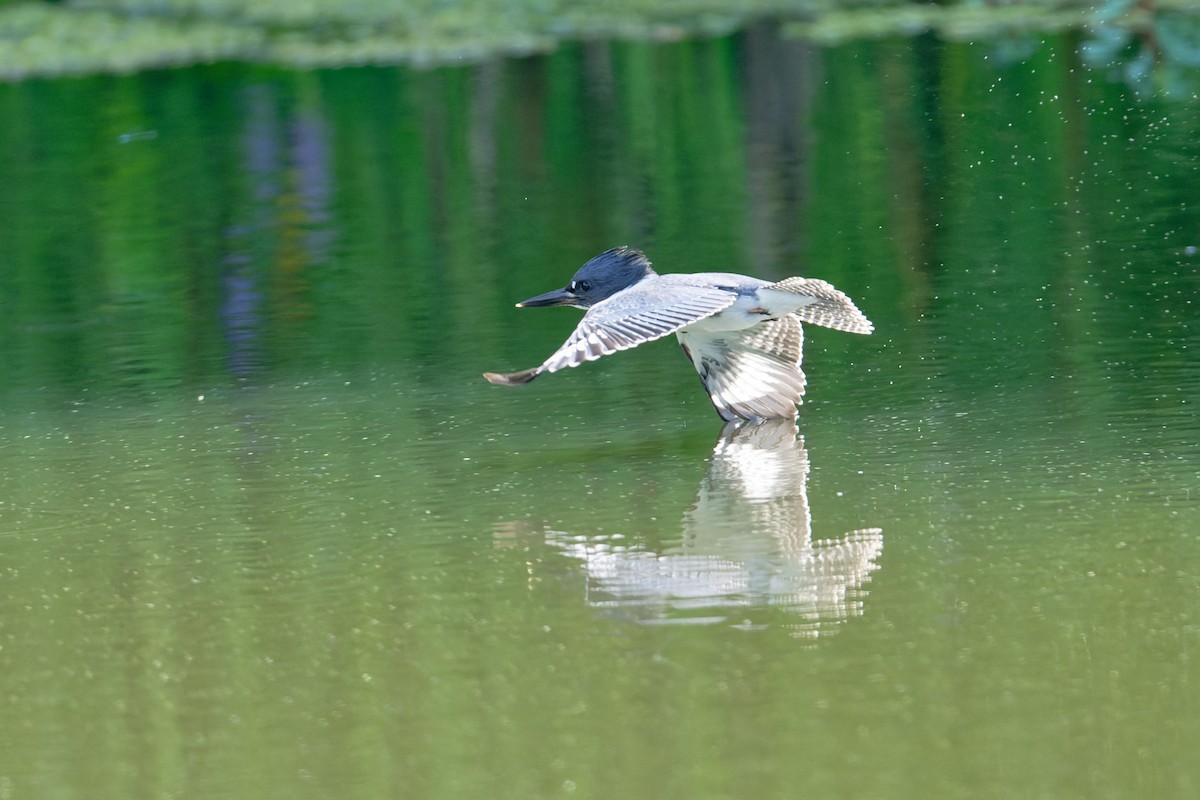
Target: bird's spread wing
(641, 313)
(831, 308)
(752, 374)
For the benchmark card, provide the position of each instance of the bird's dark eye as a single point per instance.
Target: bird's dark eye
(585, 286)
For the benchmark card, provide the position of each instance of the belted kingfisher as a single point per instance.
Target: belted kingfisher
(742, 334)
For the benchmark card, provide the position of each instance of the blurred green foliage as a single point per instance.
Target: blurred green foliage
(88, 36)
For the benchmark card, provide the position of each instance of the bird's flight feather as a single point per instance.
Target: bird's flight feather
(625, 320)
(751, 374)
(832, 309)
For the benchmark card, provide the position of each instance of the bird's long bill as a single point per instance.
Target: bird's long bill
(559, 297)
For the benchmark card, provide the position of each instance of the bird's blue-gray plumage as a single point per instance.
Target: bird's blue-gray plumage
(742, 334)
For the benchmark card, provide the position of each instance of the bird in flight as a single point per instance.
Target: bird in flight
(742, 334)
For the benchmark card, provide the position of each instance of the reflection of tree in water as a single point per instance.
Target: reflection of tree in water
(283, 230)
(747, 547)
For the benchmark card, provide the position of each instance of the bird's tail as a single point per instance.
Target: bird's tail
(830, 308)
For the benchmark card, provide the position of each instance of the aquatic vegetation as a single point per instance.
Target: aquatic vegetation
(122, 35)
(1151, 44)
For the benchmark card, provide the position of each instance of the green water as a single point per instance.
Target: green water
(266, 532)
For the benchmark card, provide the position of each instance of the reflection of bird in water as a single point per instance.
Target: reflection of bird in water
(742, 334)
(747, 546)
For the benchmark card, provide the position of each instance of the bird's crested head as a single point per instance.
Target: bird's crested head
(608, 273)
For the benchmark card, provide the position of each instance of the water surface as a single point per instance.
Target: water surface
(265, 531)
